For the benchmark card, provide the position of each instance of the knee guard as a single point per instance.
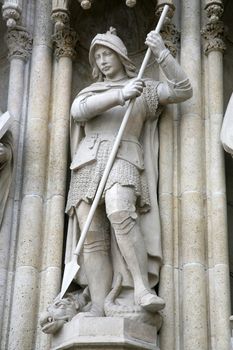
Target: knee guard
(122, 221)
(97, 240)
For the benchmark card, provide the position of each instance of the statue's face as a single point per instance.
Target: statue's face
(108, 63)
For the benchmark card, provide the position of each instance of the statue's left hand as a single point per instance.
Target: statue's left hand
(155, 42)
(4, 153)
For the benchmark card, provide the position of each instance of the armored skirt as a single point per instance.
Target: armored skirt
(85, 180)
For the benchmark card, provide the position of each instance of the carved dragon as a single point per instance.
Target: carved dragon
(63, 310)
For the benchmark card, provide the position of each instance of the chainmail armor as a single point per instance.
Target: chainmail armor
(84, 181)
(151, 98)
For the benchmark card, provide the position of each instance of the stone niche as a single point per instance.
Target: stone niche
(132, 25)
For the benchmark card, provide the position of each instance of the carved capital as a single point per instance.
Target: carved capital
(60, 18)
(169, 33)
(171, 37)
(64, 42)
(60, 14)
(160, 6)
(11, 13)
(19, 43)
(213, 32)
(214, 10)
(64, 38)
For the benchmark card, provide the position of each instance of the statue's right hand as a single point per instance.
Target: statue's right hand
(133, 89)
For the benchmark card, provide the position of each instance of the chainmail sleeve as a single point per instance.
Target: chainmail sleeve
(151, 98)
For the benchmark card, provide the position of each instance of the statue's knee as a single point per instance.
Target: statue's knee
(122, 221)
(98, 237)
(97, 240)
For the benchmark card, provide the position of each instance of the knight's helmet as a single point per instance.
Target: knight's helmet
(112, 41)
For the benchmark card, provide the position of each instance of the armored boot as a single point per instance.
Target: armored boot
(132, 247)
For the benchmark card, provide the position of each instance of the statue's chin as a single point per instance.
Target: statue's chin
(53, 327)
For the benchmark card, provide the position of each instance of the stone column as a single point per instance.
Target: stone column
(166, 194)
(65, 40)
(219, 299)
(19, 45)
(25, 299)
(193, 291)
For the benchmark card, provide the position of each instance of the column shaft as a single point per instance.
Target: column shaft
(19, 49)
(192, 239)
(166, 284)
(218, 246)
(167, 288)
(57, 173)
(24, 308)
(9, 225)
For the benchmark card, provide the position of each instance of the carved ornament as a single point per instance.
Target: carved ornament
(19, 43)
(160, 6)
(60, 18)
(214, 12)
(64, 42)
(213, 32)
(60, 14)
(11, 13)
(169, 33)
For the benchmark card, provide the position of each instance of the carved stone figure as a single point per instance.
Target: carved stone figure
(6, 154)
(123, 243)
(124, 236)
(63, 310)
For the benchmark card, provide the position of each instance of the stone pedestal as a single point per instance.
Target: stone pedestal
(107, 333)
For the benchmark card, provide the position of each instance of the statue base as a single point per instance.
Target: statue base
(107, 333)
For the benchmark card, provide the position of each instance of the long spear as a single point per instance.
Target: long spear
(72, 267)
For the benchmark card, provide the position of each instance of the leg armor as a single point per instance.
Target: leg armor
(120, 207)
(98, 237)
(97, 262)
